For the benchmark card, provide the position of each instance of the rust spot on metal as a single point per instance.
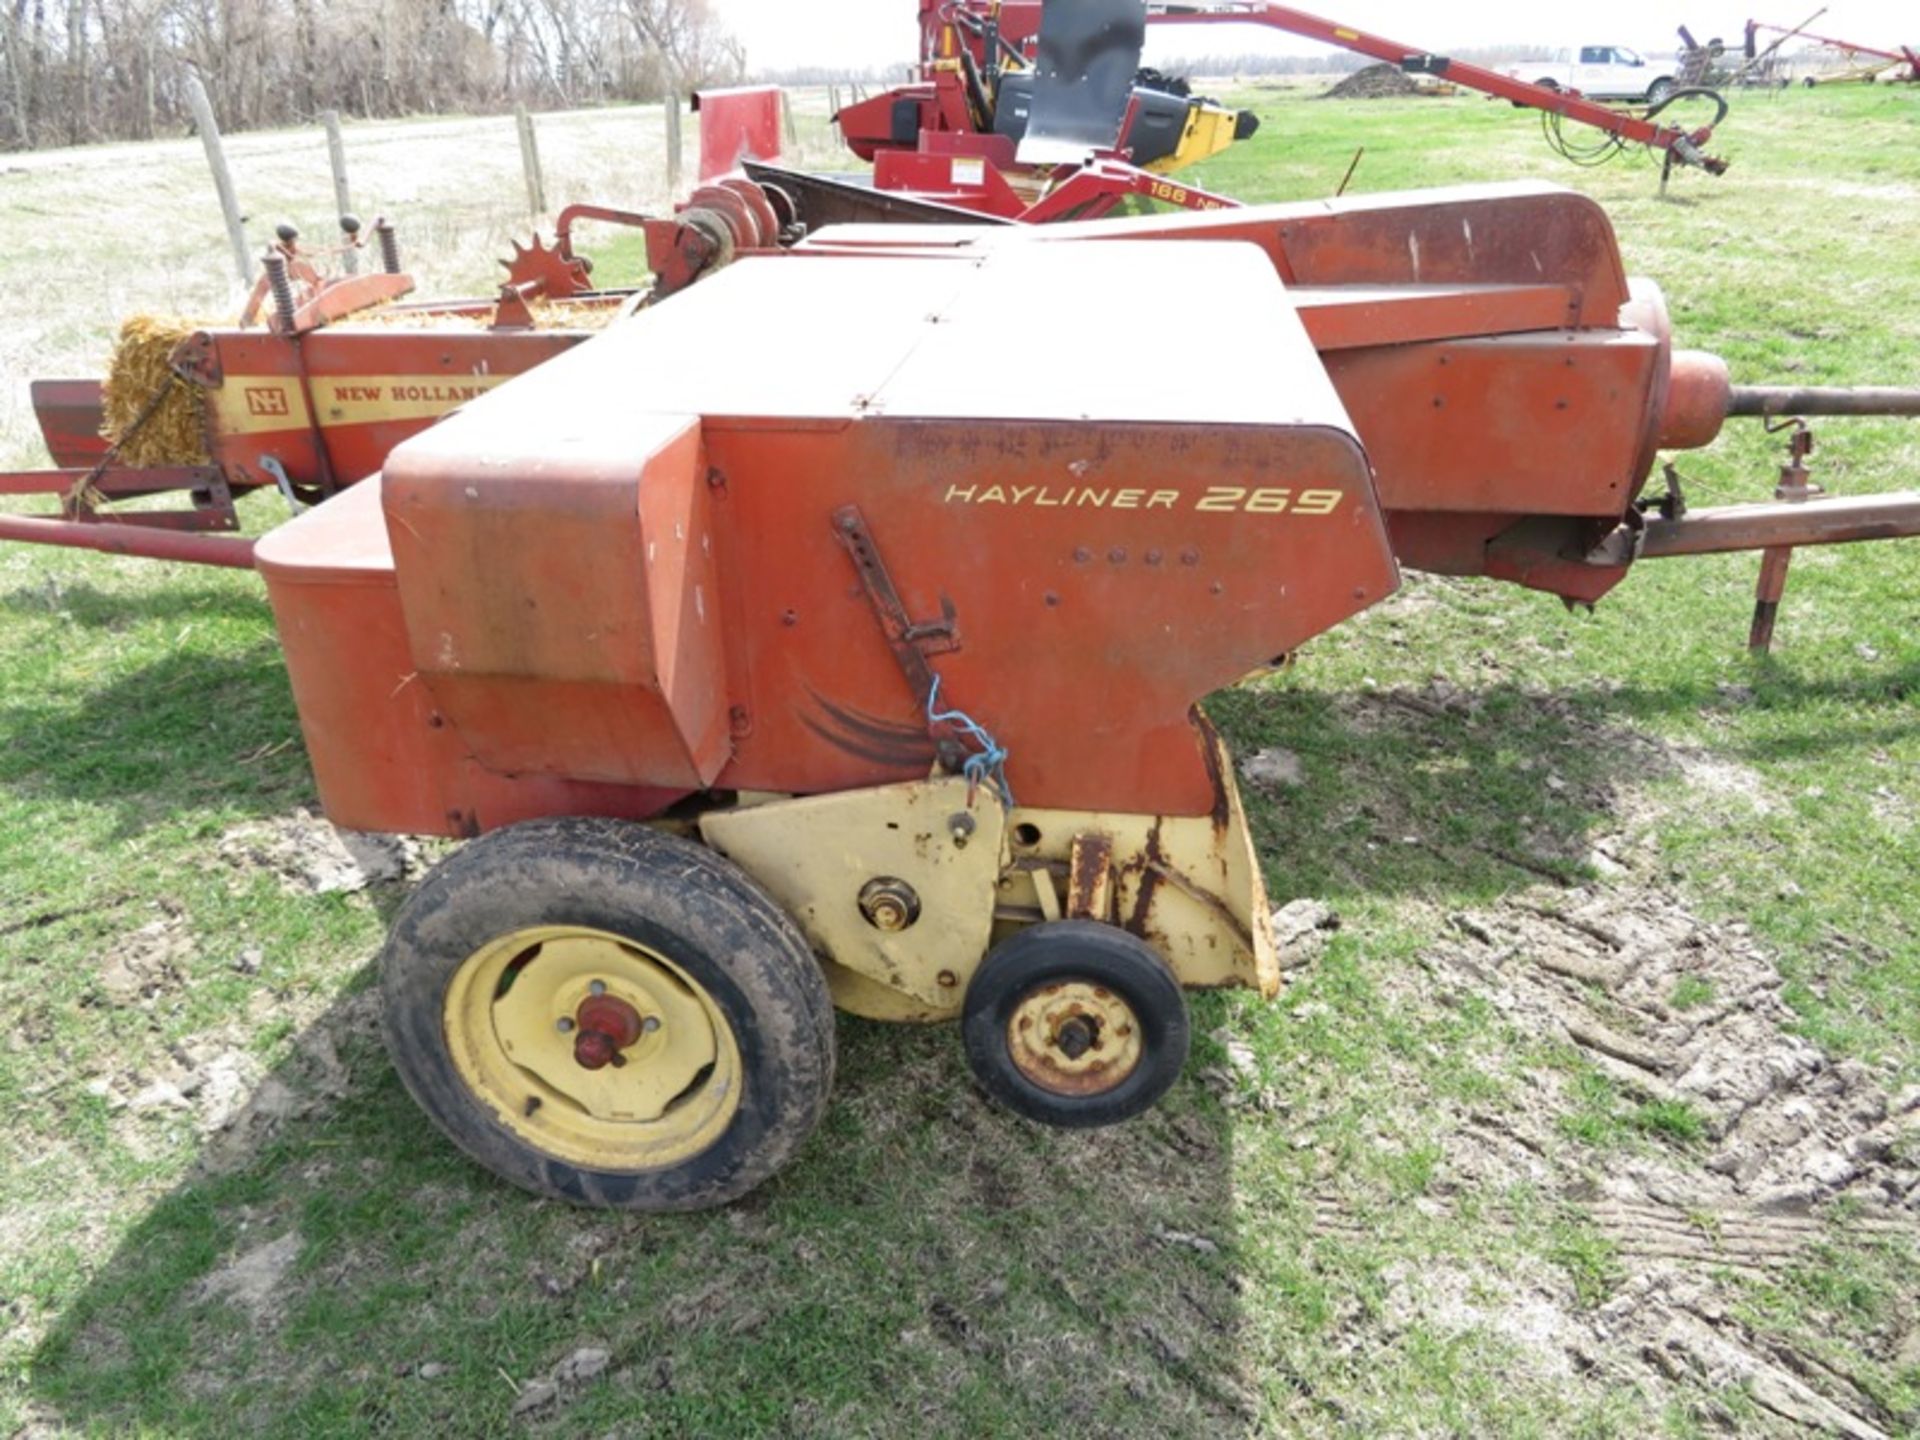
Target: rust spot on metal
(1136, 923)
(1210, 752)
(1090, 878)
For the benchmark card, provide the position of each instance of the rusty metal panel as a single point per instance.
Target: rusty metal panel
(736, 125)
(1521, 233)
(1104, 577)
(70, 414)
(384, 755)
(1359, 317)
(1524, 424)
(331, 405)
(560, 596)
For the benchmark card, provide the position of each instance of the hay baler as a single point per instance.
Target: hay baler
(834, 635)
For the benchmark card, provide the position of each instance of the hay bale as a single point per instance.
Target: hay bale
(176, 433)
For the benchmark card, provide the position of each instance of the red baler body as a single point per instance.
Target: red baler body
(617, 580)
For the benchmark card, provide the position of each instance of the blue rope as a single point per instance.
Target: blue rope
(989, 764)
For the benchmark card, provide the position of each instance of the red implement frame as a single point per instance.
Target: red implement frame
(1905, 55)
(983, 32)
(1683, 145)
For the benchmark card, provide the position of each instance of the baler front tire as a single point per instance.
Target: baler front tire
(536, 909)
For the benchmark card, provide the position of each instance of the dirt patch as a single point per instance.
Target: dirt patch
(1378, 82)
(146, 964)
(1734, 1150)
(215, 1088)
(1688, 1018)
(311, 857)
(254, 1280)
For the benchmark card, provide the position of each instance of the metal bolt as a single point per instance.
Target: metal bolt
(1075, 1038)
(889, 904)
(650, 1024)
(564, 1024)
(597, 987)
(948, 980)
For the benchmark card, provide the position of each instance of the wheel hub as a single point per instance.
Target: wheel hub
(604, 1026)
(594, 1047)
(1074, 1038)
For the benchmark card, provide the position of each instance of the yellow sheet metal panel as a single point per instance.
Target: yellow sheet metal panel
(818, 856)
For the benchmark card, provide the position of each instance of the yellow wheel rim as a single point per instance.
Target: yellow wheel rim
(511, 1028)
(1072, 1037)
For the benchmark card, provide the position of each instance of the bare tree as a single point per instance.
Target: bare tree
(78, 70)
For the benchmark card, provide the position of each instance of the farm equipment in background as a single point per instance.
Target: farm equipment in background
(1042, 113)
(1852, 61)
(340, 372)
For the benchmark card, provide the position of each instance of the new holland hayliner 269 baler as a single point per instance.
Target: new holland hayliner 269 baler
(872, 680)
(767, 679)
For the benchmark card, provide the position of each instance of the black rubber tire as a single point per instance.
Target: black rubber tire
(1068, 950)
(676, 897)
(1660, 90)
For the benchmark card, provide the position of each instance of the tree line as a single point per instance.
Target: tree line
(74, 71)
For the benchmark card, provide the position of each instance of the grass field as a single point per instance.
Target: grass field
(1597, 1115)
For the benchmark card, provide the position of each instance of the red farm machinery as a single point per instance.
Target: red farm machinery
(871, 680)
(1042, 113)
(1846, 59)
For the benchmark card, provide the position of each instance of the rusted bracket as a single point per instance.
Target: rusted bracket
(912, 642)
(1795, 488)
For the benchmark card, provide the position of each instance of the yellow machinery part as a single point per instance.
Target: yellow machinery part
(1210, 130)
(903, 889)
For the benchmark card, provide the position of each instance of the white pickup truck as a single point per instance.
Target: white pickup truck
(1599, 72)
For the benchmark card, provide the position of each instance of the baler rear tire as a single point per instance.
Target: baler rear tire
(679, 908)
(1030, 978)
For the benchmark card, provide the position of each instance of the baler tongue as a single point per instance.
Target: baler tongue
(1803, 513)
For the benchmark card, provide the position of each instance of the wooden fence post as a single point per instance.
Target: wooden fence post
(673, 145)
(342, 196)
(530, 162)
(209, 129)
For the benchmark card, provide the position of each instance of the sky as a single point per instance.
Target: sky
(780, 34)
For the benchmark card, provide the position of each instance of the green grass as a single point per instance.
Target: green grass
(931, 1266)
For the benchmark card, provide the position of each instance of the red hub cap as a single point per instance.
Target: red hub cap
(606, 1027)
